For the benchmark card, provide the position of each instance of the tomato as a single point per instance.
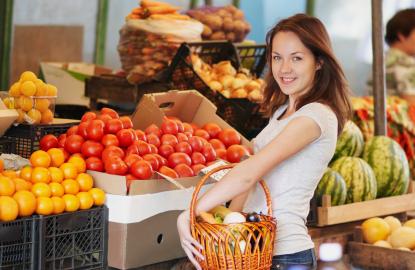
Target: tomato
(221, 153)
(112, 126)
(112, 151)
(169, 139)
(88, 116)
(229, 137)
(194, 126)
(235, 152)
(126, 122)
(209, 152)
(115, 165)
(184, 170)
(202, 133)
(153, 149)
(113, 114)
(131, 158)
(188, 134)
(181, 137)
(73, 144)
(141, 135)
(153, 139)
(94, 164)
(153, 160)
(188, 128)
(168, 171)
(82, 129)
(213, 129)
(141, 169)
(143, 147)
(217, 144)
(169, 127)
(153, 129)
(183, 147)
(61, 140)
(198, 158)
(104, 118)
(92, 149)
(179, 158)
(162, 160)
(109, 139)
(196, 143)
(197, 167)
(72, 130)
(166, 150)
(95, 130)
(48, 141)
(179, 123)
(126, 137)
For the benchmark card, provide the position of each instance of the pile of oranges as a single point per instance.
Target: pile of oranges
(50, 185)
(32, 98)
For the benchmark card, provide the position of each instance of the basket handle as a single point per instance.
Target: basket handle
(206, 177)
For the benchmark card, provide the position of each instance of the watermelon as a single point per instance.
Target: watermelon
(390, 165)
(359, 177)
(350, 142)
(333, 184)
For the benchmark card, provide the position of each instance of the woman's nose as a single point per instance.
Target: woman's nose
(285, 67)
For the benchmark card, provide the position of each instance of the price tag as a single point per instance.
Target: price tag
(218, 175)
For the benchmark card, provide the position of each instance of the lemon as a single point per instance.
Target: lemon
(42, 104)
(41, 88)
(25, 103)
(28, 76)
(28, 88)
(47, 117)
(35, 115)
(20, 118)
(14, 90)
(52, 90)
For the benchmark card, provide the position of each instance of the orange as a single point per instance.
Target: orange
(9, 208)
(10, 173)
(56, 174)
(41, 190)
(28, 88)
(85, 200)
(46, 117)
(71, 202)
(14, 90)
(1, 165)
(25, 103)
(375, 229)
(69, 170)
(40, 158)
(98, 195)
(58, 205)
(85, 181)
(56, 189)
(79, 163)
(57, 157)
(42, 104)
(22, 184)
(40, 174)
(35, 115)
(28, 76)
(26, 173)
(52, 90)
(70, 186)
(26, 202)
(44, 206)
(41, 89)
(7, 186)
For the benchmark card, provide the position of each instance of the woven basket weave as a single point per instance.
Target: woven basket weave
(223, 244)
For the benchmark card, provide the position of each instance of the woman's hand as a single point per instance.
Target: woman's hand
(188, 243)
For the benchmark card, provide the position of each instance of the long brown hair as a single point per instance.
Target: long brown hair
(329, 86)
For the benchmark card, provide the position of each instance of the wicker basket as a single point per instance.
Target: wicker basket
(223, 246)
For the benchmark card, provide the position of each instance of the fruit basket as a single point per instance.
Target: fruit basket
(245, 245)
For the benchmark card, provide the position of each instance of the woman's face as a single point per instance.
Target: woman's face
(293, 65)
(408, 43)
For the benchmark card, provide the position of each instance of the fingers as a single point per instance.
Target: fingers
(192, 258)
(194, 251)
(195, 243)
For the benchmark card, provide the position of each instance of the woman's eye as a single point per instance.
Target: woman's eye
(277, 58)
(296, 58)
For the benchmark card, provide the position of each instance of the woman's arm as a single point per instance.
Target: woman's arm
(237, 203)
(298, 133)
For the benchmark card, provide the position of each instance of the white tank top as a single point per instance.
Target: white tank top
(292, 182)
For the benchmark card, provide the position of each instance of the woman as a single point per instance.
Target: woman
(308, 100)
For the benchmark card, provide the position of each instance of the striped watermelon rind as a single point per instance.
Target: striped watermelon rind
(333, 184)
(350, 142)
(389, 162)
(359, 177)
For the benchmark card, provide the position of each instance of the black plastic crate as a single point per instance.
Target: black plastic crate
(252, 57)
(70, 111)
(77, 240)
(18, 244)
(7, 146)
(27, 137)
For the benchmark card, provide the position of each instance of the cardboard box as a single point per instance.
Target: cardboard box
(7, 117)
(69, 78)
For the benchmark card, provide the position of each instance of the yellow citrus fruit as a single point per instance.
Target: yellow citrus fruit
(41, 190)
(70, 186)
(9, 103)
(44, 206)
(85, 199)
(20, 117)
(25, 103)
(85, 181)
(46, 117)
(26, 173)
(56, 189)
(410, 223)
(71, 202)
(56, 175)
(9, 208)
(22, 184)
(41, 89)
(58, 205)
(28, 76)
(28, 88)
(52, 90)
(393, 222)
(98, 195)
(69, 170)
(10, 173)
(375, 229)
(26, 202)
(40, 158)
(57, 156)
(79, 163)
(35, 115)
(40, 175)
(7, 186)
(14, 90)
(42, 104)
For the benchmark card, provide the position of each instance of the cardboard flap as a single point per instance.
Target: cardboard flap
(7, 117)
(146, 113)
(114, 184)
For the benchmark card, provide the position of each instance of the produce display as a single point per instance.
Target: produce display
(225, 79)
(33, 99)
(222, 23)
(333, 184)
